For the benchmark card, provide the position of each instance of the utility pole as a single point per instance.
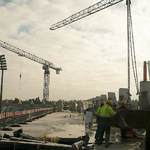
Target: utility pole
(3, 67)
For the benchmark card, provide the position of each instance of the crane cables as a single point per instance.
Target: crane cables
(132, 51)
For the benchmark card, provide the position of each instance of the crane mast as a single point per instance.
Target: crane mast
(46, 65)
(130, 38)
(46, 82)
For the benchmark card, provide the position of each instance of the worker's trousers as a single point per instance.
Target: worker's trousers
(102, 127)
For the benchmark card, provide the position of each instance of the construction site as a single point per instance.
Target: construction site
(93, 92)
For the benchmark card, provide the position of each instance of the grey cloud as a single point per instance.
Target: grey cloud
(5, 2)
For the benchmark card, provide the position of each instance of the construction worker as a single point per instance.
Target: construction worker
(104, 113)
(126, 132)
(88, 115)
(123, 110)
(98, 124)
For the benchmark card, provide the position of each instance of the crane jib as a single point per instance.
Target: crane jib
(28, 55)
(85, 12)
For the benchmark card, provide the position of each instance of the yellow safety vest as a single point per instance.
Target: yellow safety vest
(105, 111)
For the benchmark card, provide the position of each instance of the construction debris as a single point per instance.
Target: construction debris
(19, 139)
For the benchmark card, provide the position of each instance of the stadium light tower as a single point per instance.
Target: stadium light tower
(3, 66)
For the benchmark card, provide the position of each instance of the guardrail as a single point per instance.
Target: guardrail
(10, 118)
(5, 115)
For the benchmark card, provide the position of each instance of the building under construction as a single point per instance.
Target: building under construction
(136, 120)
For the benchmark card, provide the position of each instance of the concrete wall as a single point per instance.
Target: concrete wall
(123, 94)
(103, 97)
(145, 95)
(112, 96)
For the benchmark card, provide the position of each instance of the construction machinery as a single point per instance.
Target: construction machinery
(103, 4)
(46, 65)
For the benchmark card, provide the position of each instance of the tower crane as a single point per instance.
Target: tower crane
(103, 4)
(46, 65)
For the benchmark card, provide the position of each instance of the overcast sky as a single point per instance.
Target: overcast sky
(92, 52)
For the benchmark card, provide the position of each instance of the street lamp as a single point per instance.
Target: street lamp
(3, 66)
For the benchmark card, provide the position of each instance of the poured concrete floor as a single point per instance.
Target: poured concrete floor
(66, 124)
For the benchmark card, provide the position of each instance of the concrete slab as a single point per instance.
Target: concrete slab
(119, 146)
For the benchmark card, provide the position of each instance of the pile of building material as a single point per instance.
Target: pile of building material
(22, 141)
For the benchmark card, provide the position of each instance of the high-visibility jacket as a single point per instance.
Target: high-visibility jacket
(105, 111)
